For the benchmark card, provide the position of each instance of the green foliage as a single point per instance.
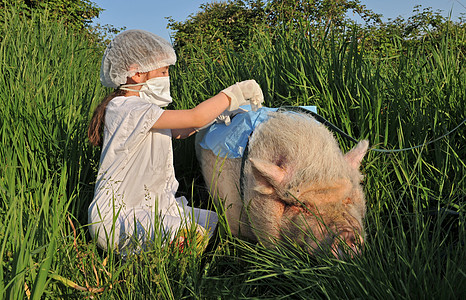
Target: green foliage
(219, 23)
(76, 14)
(231, 24)
(49, 83)
(424, 25)
(221, 26)
(318, 12)
(399, 95)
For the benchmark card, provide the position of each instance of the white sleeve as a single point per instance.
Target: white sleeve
(129, 122)
(140, 121)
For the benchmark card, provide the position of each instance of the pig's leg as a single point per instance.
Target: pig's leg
(222, 177)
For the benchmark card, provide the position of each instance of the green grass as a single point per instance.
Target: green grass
(415, 199)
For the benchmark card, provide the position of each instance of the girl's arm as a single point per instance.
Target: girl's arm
(183, 133)
(195, 117)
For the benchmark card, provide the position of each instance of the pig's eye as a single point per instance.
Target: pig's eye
(347, 201)
(307, 207)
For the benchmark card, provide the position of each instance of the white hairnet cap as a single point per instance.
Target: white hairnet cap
(134, 51)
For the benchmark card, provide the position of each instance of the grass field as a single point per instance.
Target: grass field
(416, 202)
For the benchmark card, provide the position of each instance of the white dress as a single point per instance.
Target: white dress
(134, 199)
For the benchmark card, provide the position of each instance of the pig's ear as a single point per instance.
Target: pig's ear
(267, 174)
(355, 156)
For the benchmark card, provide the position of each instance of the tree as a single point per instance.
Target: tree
(228, 24)
(424, 26)
(318, 12)
(76, 14)
(219, 23)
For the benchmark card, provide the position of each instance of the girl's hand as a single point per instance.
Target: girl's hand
(241, 92)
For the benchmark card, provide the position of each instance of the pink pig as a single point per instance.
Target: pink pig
(298, 186)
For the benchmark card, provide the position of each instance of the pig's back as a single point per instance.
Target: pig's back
(298, 142)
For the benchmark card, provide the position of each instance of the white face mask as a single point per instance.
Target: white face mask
(155, 90)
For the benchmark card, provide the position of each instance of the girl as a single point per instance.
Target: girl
(134, 198)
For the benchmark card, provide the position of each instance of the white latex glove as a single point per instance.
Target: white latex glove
(241, 92)
(224, 117)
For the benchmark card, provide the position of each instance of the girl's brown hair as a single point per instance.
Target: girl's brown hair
(96, 126)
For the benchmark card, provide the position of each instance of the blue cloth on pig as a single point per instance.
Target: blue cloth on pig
(230, 141)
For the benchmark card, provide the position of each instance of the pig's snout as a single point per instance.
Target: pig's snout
(348, 243)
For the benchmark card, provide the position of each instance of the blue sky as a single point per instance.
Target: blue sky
(151, 15)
